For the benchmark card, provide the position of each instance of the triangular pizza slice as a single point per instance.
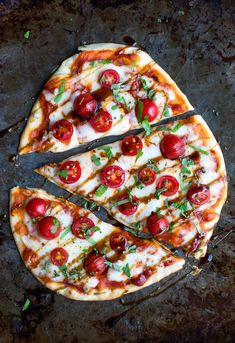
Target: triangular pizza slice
(105, 89)
(71, 251)
(171, 183)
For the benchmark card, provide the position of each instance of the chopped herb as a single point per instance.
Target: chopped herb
(176, 127)
(182, 207)
(55, 226)
(26, 305)
(103, 79)
(185, 170)
(137, 182)
(104, 61)
(63, 173)
(197, 180)
(90, 240)
(116, 85)
(166, 112)
(158, 211)
(121, 202)
(146, 126)
(198, 149)
(181, 13)
(92, 64)
(138, 226)
(187, 162)
(55, 273)
(140, 110)
(132, 248)
(166, 202)
(104, 250)
(96, 160)
(151, 165)
(90, 229)
(117, 95)
(84, 250)
(61, 91)
(64, 270)
(139, 154)
(65, 232)
(126, 270)
(46, 266)
(108, 151)
(109, 264)
(124, 101)
(27, 34)
(159, 192)
(96, 251)
(114, 107)
(171, 226)
(101, 190)
(113, 265)
(150, 93)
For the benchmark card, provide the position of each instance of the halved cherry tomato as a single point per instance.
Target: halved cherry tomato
(62, 130)
(118, 242)
(59, 256)
(81, 226)
(170, 183)
(139, 280)
(85, 105)
(198, 195)
(36, 207)
(157, 225)
(147, 176)
(95, 264)
(172, 146)
(49, 227)
(128, 208)
(150, 110)
(113, 176)
(31, 258)
(108, 77)
(101, 121)
(70, 172)
(130, 145)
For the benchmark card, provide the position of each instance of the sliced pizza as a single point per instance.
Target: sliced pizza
(106, 89)
(71, 251)
(171, 183)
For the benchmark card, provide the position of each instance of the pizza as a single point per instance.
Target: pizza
(170, 182)
(105, 89)
(76, 254)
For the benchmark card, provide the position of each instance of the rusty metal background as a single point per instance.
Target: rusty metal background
(193, 41)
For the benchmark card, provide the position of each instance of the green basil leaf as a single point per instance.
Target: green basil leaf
(90, 240)
(65, 232)
(146, 126)
(63, 173)
(61, 91)
(198, 149)
(107, 150)
(140, 106)
(96, 160)
(101, 190)
(166, 112)
(126, 270)
(56, 224)
(26, 305)
(139, 154)
(159, 192)
(27, 34)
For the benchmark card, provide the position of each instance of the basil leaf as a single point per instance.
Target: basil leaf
(96, 160)
(138, 225)
(176, 127)
(187, 162)
(55, 226)
(63, 173)
(182, 207)
(137, 182)
(107, 150)
(158, 211)
(61, 91)
(120, 202)
(114, 107)
(159, 192)
(101, 190)
(140, 110)
(146, 126)
(90, 240)
(132, 248)
(64, 270)
(65, 232)
(27, 34)
(152, 166)
(26, 305)
(185, 170)
(46, 266)
(55, 274)
(166, 202)
(139, 154)
(198, 149)
(104, 61)
(126, 270)
(166, 112)
(171, 226)
(197, 180)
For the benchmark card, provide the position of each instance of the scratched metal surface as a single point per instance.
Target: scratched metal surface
(196, 48)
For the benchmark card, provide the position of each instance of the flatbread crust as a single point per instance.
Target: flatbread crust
(34, 250)
(79, 75)
(191, 233)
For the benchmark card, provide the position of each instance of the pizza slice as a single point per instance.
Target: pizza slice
(171, 183)
(71, 251)
(106, 89)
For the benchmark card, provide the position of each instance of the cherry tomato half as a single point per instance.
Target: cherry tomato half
(157, 225)
(85, 105)
(69, 172)
(101, 121)
(150, 110)
(108, 77)
(62, 130)
(36, 207)
(118, 242)
(95, 264)
(59, 256)
(198, 195)
(49, 227)
(81, 226)
(170, 183)
(128, 208)
(139, 280)
(130, 145)
(172, 146)
(113, 176)
(147, 176)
